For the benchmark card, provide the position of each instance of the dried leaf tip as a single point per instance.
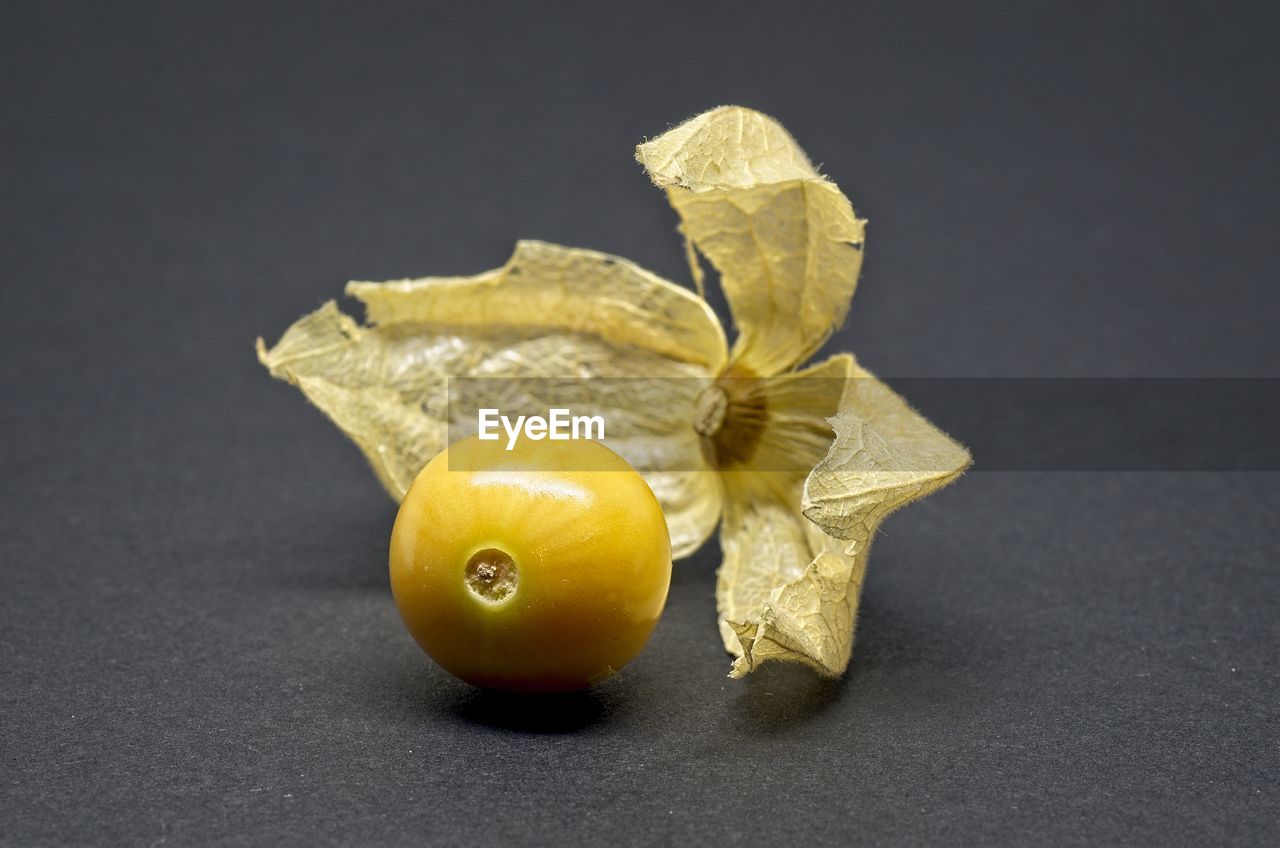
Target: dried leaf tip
(728, 147)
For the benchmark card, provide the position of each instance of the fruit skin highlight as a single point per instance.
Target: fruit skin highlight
(541, 569)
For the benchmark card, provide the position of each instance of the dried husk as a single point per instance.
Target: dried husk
(799, 466)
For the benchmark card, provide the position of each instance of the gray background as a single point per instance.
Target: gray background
(197, 643)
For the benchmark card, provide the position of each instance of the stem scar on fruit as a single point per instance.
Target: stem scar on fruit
(492, 575)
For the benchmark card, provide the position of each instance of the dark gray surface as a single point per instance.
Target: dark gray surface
(197, 641)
